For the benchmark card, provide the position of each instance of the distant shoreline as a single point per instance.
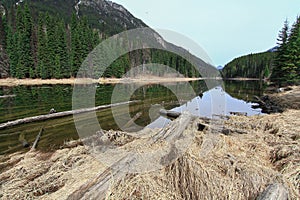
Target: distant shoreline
(71, 81)
(10, 82)
(242, 79)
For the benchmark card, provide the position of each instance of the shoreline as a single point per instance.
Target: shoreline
(258, 152)
(10, 82)
(242, 79)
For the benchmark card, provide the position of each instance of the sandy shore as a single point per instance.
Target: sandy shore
(15, 82)
(257, 154)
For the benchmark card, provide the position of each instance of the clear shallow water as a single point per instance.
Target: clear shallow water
(37, 100)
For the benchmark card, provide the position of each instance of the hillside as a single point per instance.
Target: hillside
(110, 18)
(257, 65)
(50, 39)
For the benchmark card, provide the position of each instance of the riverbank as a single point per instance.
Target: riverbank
(10, 82)
(253, 154)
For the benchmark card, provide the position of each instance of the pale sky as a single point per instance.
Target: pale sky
(225, 29)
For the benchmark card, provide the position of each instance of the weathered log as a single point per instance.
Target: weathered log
(260, 101)
(169, 113)
(98, 187)
(58, 115)
(37, 139)
(274, 191)
(131, 121)
(238, 113)
(7, 96)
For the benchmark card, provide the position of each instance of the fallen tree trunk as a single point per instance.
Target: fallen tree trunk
(169, 113)
(7, 96)
(58, 115)
(99, 186)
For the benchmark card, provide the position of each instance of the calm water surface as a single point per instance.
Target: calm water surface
(37, 100)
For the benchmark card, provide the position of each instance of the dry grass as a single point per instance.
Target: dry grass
(227, 167)
(215, 166)
(289, 99)
(71, 81)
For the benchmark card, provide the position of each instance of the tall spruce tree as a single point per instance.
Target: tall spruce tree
(280, 65)
(293, 49)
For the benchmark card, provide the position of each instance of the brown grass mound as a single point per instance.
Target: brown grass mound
(227, 167)
(215, 166)
(289, 99)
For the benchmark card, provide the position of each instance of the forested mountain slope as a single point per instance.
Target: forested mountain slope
(51, 38)
(250, 66)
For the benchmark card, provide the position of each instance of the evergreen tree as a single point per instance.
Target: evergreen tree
(279, 70)
(293, 49)
(23, 34)
(287, 62)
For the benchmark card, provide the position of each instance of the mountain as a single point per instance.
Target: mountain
(220, 67)
(51, 38)
(110, 18)
(257, 65)
(274, 49)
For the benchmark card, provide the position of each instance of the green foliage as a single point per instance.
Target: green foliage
(287, 63)
(250, 66)
(47, 48)
(282, 67)
(43, 44)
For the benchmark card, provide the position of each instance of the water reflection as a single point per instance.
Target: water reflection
(36, 100)
(215, 102)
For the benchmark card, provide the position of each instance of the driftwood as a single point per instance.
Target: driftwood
(238, 113)
(37, 139)
(130, 122)
(98, 187)
(7, 96)
(58, 115)
(169, 113)
(274, 192)
(260, 101)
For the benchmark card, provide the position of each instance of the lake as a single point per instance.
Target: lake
(37, 100)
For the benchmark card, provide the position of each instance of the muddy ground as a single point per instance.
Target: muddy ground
(253, 154)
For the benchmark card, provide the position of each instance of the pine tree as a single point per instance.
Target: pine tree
(280, 65)
(62, 50)
(293, 48)
(23, 34)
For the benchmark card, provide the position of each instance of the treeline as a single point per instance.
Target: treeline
(251, 66)
(287, 63)
(45, 46)
(41, 45)
(281, 66)
(145, 56)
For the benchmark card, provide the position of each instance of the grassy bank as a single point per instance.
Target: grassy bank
(255, 152)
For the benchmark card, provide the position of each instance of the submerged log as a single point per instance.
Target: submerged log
(37, 139)
(130, 122)
(58, 115)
